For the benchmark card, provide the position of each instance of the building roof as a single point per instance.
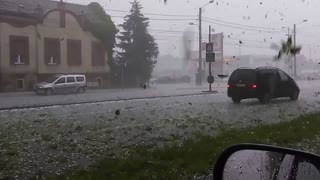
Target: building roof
(29, 6)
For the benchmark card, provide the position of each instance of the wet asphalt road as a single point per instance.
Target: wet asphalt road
(30, 99)
(54, 139)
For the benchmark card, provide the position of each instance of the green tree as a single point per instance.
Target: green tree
(99, 23)
(138, 49)
(287, 48)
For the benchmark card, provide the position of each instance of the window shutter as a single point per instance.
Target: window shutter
(74, 53)
(12, 51)
(26, 51)
(58, 51)
(97, 54)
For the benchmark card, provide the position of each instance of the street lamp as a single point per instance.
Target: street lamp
(200, 42)
(294, 45)
(212, 1)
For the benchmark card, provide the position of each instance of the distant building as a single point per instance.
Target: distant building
(40, 38)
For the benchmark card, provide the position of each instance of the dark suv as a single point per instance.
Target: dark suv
(264, 83)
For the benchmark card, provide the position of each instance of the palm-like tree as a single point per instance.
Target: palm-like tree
(288, 49)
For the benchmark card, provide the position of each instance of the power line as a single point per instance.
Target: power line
(236, 24)
(175, 15)
(243, 28)
(251, 40)
(160, 19)
(164, 30)
(246, 46)
(154, 14)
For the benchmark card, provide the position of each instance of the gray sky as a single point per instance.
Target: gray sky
(248, 20)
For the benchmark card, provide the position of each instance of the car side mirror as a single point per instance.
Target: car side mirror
(251, 161)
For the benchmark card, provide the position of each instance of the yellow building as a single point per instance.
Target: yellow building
(47, 38)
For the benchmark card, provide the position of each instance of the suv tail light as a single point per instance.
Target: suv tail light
(254, 86)
(229, 86)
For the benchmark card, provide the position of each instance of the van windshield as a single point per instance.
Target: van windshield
(245, 75)
(51, 79)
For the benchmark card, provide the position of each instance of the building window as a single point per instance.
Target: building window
(52, 51)
(20, 84)
(97, 54)
(74, 52)
(19, 50)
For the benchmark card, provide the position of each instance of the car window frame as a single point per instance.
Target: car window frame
(283, 73)
(83, 78)
(56, 82)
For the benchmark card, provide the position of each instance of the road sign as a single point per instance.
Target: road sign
(210, 79)
(210, 57)
(209, 47)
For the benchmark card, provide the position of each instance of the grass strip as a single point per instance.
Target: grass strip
(197, 156)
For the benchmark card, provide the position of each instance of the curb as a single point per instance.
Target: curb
(101, 101)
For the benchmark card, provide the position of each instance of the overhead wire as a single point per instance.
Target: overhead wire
(205, 19)
(243, 28)
(159, 19)
(154, 14)
(236, 24)
(226, 23)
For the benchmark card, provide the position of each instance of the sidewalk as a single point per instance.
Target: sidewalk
(29, 99)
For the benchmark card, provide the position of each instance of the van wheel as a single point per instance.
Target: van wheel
(49, 92)
(266, 98)
(294, 96)
(81, 90)
(236, 100)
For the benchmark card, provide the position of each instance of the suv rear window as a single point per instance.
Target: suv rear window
(245, 75)
(80, 79)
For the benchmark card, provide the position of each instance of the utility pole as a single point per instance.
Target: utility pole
(210, 71)
(200, 42)
(294, 56)
(200, 48)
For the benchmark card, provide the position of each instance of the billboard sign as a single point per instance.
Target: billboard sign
(217, 40)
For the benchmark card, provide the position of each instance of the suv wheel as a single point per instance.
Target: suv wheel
(49, 92)
(236, 100)
(294, 96)
(266, 98)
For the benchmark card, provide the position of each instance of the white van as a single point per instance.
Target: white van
(62, 84)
